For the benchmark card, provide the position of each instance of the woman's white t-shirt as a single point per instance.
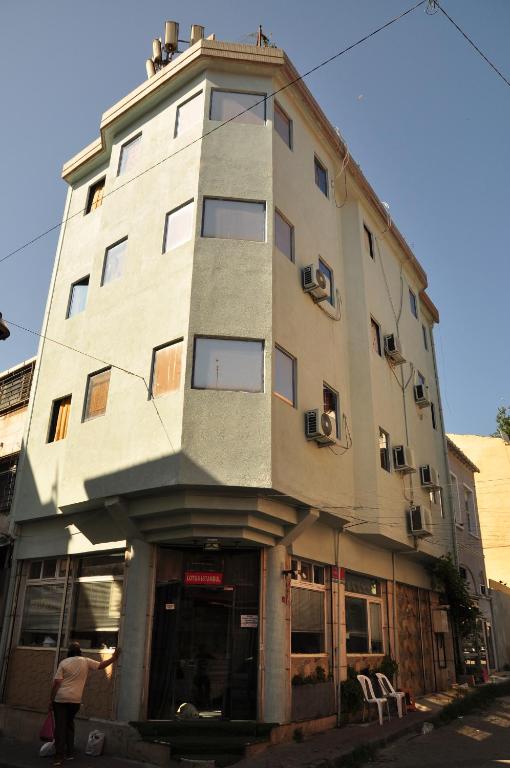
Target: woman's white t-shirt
(73, 673)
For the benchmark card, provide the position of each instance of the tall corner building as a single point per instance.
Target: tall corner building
(233, 468)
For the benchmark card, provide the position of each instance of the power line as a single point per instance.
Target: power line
(435, 4)
(221, 125)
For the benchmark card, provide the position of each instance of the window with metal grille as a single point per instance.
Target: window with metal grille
(15, 388)
(7, 479)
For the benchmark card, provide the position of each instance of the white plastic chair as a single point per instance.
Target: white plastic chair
(389, 691)
(369, 697)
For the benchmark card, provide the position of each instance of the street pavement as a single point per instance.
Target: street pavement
(475, 741)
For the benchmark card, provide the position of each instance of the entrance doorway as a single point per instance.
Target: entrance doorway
(205, 634)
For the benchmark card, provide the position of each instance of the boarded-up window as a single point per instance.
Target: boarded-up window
(241, 107)
(95, 196)
(166, 372)
(97, 394)
(59, 419)
(129, 154)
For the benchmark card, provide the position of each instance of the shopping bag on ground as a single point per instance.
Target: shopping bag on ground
(47, 732)
(95, 743)
(47, 749)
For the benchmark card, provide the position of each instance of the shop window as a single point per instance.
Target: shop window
(97, 602)
(129, 155)
(308, 594)
(95, 196)
(284, 235)
(166, 369)
(363, 614)
(114, 261)
(96, 398)
(234, 219)
(321, 176)
(375, 331)
(189, 114)
(179, 226)
(284, 376)
(330, 400)
(59, 419)
(239, 107)
(368, 239)
(384, 450)
(78, 297)
(42, 607)
(282, 125)
(231, 364)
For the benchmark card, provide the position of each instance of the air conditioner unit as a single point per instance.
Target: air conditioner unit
(403, 459)
(421, 395)
(393, 349)
(419, 520)
(316, 283)
(428, 476)
(319, 427)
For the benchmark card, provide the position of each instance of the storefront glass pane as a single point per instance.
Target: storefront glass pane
(376, 638)
(356, 625)
(41, 615)
(96, 613)
(307, 621)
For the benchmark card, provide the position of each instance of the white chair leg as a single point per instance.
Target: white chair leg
(380, 710)
(399, 705)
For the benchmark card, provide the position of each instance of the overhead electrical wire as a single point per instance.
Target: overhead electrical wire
(221, 125)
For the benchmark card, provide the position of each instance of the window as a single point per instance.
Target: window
(308, 594)
(329, 274)
(424, 332)
(233, 364)
(284, 376)
(363, 615)
(420, 379)
(284, 235)
(455, 499)
(59, 419)
(97, 601)
(78, 297)
(166, 369)
(433, 415)
(15, 388)
(375, 331)
(95, 196)
(321, 176)
(178, 226)
(331, 408)
(96, 398)
(42, 608)
(413, 302)
(8, 467)
(114, 259)
(129, 155)
(235, 219)
(469, 510)
(249, 107)
(384, 450)
(369, 241)
(188, 114)
(282, 125)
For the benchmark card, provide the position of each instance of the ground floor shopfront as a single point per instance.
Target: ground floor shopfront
(238, 631)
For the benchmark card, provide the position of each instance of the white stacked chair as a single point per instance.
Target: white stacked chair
(389, 692)
(369, 697)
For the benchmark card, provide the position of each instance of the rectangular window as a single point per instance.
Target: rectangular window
(424, 332)
(234, 219)
(15, 388)
(238, 107)
(282, 125)
(369, 241)
(469, 510)
(384, 450)
(8, 467)
(59, 419)
(166, 369)
(307, 620)
(78, 297)
(97, 601)
(232, 364)
(41, 615)
(178, 226)
(304, 571)
(284, 376)
(114, 261)
(363, 620)
(284, 235)
(420, 379)
(375, 332)
(96, 398)
(129, 155)
(433, 415)
(362, 585)
(189, 113)
(329, 274)
(455, 499)
(321, 176)
(331, 408)
(413, 303)
(95, 196)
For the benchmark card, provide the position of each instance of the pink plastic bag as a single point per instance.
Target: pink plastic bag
(47, 732)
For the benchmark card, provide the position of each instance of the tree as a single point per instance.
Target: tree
(503, 423)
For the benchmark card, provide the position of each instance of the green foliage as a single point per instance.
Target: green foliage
(478, 699)
(463, 610)
(320, 676)
(389, 667)
(298, 735)
(503, 423)
(351, 693)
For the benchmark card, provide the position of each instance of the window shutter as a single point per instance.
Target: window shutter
(167, 374)
(307, 610)
(98, 394)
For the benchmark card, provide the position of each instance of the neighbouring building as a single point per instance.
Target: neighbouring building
(500, 599)
(239, 478)
(477, 652)
(15, 385)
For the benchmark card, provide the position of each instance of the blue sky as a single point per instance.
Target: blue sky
(422, 113)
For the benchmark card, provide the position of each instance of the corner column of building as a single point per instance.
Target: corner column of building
(277, 671)
(137, 608)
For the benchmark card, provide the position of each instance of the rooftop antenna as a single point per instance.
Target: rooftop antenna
(4, 331)
(164, 50)
(263, 40)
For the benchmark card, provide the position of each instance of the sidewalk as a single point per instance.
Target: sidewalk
(23, 754)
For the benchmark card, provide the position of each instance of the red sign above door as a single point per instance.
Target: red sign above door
(203, 578)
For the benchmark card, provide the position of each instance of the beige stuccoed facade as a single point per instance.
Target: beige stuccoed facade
(210, 486)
